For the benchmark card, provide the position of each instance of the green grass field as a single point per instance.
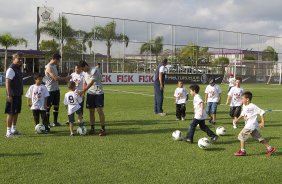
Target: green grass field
(139, 147)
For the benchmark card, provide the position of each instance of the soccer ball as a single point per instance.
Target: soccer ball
(176, 135)
(220, 131)
(204, 143)
(40, 129)
(81, 130)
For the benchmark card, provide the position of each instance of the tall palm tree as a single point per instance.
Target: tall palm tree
(192, 53)
(108, 34)
(89, 43)
(7, 40)
(154, 46)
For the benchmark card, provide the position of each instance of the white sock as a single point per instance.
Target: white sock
(269, 148)
(8, 131)
(243, 150)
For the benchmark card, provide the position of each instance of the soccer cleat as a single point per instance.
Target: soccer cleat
(177, 119)
(72, 134)
(270, 152)
(234, 125)
(67, 123)
(102, 132)
(182, 118)
(91, 132)
(47, 129)
(15, 132)
(56, 124)
(188, 140)
(240, 153)
(10, 135)
(162, 114)
(214, 138)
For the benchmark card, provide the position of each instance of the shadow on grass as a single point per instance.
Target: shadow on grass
(130, 131)
(141, 122)
(19, 154)
(215, 149)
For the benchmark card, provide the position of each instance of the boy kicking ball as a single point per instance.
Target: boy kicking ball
(250, 112)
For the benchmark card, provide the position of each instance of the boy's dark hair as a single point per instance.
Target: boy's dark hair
(239, 78)
(195, 88)
(248, 95)
(71, 85)
(165, 61)
(56, 56)
(82, 63)
(37, 75)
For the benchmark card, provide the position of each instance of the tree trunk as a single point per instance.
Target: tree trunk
(5, 64)
(109, 57)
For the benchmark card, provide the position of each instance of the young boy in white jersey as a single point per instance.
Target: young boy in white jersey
(181, 96)
(37, 95)
(200, 116)
(77, 77)
(235, 95)
(72, 101)
(231, 81)
(250, 112)
(212, 99)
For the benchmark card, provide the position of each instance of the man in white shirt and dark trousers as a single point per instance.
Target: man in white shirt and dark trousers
(14, 92)
(95, 95)
(159, 88)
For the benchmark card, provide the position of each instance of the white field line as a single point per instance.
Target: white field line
(144, 94)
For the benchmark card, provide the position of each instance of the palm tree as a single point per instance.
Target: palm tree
(89, 43)
(107, 34)
(154, 47)
(7, 40)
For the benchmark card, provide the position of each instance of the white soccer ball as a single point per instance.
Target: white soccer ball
(204, 143)
(176, 135)
(40, 129)
(81, 130)
(220, 131)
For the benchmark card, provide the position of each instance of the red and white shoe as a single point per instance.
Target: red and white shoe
(270, 152)
(240, 153)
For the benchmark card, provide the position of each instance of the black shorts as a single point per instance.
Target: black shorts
(54, 98)
(15, 106)
(235, 111)
(71, 116)
(94, 101)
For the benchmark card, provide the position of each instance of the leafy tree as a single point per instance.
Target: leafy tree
(7, 40)
(221, 61)
(249, 58)
(154, 46)
(193, 53)
(270, 54)
(49, 47)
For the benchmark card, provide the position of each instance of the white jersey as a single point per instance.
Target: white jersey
(197, 108)
(250, 113)
(37, 95)
(231, 81)
(78, 79)
(96, 76)
(72, 100)
(181, 95)
(236, 94)
(213, 93)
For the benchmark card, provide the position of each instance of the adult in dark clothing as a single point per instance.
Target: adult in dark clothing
(159, 88)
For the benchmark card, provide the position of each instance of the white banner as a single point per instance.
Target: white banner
(127, 78)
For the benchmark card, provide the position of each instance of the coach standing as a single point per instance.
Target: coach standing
(51, 80)
(159, 88)
(14, 92)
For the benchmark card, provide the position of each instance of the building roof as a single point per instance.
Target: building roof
(25, 52)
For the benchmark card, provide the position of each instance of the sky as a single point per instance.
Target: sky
(249, 16)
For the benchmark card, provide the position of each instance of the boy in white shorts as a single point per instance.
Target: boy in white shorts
(181, 96)
(250, 112)
(72, 101)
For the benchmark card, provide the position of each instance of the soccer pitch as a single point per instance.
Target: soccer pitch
(139, 147)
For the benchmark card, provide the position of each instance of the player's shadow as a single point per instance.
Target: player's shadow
(20, 154)
(215, 149)
(131, 131)
(140, 122)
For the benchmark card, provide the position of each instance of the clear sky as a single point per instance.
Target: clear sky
(253, 16)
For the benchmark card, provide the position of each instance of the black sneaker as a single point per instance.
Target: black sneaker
(47, 129)
(67, 123)
(56, 124)
(102, 132)
(188, 140)
(214, 138)
(71, 134)
(91, 132)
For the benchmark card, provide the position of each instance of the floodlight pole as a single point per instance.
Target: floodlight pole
(61, 35)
